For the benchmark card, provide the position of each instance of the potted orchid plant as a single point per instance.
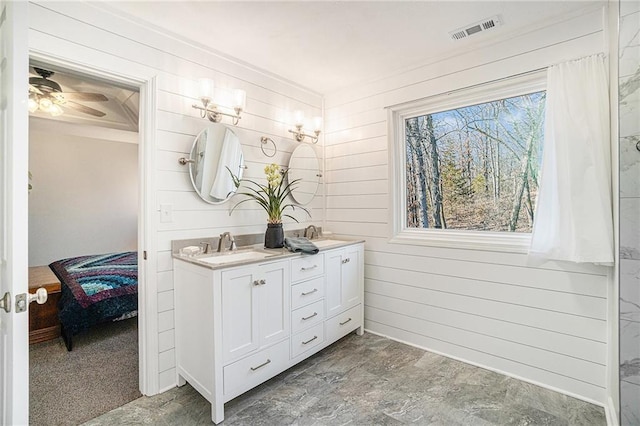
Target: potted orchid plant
(272, 197)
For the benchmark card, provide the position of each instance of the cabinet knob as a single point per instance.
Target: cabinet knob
(347, 260)
(259, 282)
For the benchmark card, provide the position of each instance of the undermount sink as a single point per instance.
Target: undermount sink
(326, 243)
(232, 257)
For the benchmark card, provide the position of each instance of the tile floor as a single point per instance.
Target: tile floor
(371, 380)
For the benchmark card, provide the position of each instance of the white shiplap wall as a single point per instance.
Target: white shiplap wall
(543, 322)
(90, 36)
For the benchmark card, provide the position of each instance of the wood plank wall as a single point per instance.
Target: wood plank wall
(88, 35)
(543, 322)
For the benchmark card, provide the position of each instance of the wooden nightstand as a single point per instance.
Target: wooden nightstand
(43, 319)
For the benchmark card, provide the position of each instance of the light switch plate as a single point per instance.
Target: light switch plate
(166, 213)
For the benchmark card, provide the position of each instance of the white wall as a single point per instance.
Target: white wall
(84, 198)
(93, 37)
(545, 323)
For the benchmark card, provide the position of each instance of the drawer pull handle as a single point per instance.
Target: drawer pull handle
(310, 316)
(347, 260)
(310, 340)
(343, 323)
(309, 268)
(309, 292)
(268, 361)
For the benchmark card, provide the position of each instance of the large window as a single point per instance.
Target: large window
(469, 161)
(475, 167)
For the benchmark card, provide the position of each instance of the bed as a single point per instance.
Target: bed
(94, 290)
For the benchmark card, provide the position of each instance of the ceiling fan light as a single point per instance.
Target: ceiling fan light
(55, 110)
(33, 103)
(45, 104)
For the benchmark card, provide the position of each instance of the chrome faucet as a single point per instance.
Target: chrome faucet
(310, 232)
(226, 236)
(206, 247)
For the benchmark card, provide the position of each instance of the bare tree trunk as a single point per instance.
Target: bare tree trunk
(413, 220)
(413, 131)
(436, 185)
(529, 202)
(523, 182)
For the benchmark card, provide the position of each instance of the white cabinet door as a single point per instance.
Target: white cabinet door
(240, 312)
(343, 278)
(255, 308)
(351, 264)
(273, 299)
(333, 283)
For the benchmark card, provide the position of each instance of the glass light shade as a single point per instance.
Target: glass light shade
(317, 124)
(55, 110)
(33, 103)
(206, 87)
(45, 104)
(298, 118)
(239, 99)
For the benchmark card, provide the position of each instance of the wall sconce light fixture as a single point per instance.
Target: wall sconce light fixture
(210, 110)
(299, 133)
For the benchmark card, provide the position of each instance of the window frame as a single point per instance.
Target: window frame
(518, 242)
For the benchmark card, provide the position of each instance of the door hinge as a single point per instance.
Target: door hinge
(144, 255)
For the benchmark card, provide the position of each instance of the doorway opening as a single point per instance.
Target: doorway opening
(84, 216)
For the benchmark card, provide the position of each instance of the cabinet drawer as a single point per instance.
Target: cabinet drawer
(306, 316)
(248, 372)
(306, 267)
(307, 292)
(307, 339)
(344, 323)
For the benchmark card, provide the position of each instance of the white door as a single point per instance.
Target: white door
(14, 142)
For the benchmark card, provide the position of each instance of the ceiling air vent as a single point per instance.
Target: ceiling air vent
(476, 27)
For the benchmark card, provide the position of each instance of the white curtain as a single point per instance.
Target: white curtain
(230, 156)
(573, 219)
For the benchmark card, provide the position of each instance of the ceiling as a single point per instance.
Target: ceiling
(121, 108)
(328, 45)
(320, 45)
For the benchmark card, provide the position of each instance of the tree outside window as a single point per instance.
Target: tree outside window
(475, 167)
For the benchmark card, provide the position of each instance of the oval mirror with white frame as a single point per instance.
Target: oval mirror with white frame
(304, 165)
(214, 149)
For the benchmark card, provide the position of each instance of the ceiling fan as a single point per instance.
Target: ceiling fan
(47, 95)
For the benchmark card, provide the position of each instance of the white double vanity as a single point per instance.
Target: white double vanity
(244, 318)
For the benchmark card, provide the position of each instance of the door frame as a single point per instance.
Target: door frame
(148, 341)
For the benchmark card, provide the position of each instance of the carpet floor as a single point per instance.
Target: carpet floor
(100, 374)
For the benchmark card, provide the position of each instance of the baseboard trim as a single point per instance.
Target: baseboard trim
(611, 413)
(533, 382)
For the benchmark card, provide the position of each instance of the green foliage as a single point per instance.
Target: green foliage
(272, 197)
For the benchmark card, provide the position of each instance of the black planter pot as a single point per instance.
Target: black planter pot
(274, 237)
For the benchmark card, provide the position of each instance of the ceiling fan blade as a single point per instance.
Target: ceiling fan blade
(81, 96)
(34, 89)
(84, 109)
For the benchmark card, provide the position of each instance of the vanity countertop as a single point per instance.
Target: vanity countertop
(257, 253)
